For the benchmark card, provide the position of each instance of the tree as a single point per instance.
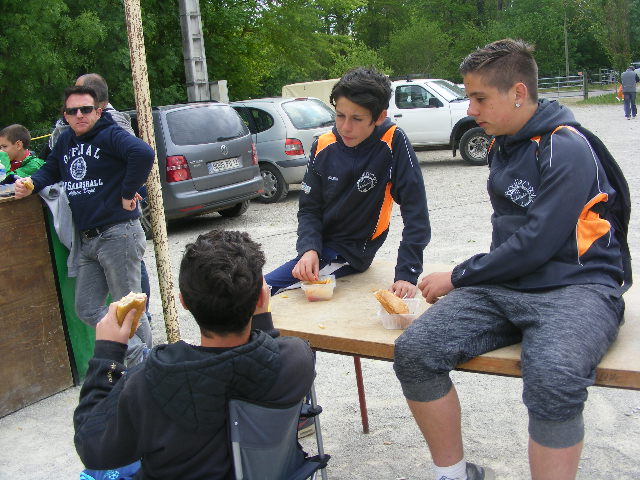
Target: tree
(615, 34)
(422, 47)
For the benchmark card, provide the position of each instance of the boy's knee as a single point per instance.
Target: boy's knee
(421, 380)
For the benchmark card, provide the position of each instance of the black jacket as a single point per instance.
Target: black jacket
(347, 197)
(171, 410)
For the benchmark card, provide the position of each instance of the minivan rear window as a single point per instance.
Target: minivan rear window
(309, 113)
(200, 125)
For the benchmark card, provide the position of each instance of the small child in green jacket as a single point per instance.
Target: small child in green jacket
(14, 141)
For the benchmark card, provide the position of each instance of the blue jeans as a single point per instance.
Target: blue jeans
(630, 104)
(109, 264)
(281, 277)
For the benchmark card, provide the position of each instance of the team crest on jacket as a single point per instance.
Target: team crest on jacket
(520, 192)
(366, 182)
(78, 168)
(306, 188)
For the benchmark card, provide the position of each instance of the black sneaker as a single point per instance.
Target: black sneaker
(474, 472)
(306, 426)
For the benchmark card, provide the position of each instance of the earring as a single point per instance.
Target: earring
(517, 105)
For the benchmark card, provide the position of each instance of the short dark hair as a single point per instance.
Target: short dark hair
(504, 63)
(221, 279)
(16, 132)
(365, 86)
(79, 90)
(98, 83)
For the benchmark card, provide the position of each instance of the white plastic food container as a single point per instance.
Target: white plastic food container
(319, 291)
(400, 321)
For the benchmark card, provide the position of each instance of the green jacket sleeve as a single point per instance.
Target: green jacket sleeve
(29, 165)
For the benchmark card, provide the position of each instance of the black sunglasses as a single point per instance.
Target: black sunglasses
(87, 109)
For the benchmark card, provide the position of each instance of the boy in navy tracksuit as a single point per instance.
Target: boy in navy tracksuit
(355, 173)
(551, 278)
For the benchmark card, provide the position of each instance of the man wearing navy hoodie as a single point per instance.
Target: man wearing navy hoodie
(103, 167)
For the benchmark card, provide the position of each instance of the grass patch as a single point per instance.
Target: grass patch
(606, 99)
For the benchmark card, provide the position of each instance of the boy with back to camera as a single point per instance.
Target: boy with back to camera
(354, 175)
(550, 280)
(171, 410)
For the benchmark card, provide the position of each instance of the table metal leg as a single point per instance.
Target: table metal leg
(361, 397)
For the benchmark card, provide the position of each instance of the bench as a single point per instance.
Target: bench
(347, 324)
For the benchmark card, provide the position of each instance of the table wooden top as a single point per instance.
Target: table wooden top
(348, 324)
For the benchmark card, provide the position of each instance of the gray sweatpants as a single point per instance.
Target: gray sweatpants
(564, 332)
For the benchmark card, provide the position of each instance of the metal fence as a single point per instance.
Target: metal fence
(581, 85)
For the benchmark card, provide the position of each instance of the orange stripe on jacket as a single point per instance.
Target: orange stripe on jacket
(324, 141)
(384, 218)
(590, 226)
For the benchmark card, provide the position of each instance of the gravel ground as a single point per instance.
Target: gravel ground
(37, 441)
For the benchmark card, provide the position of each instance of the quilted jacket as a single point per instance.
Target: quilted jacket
(171, 410)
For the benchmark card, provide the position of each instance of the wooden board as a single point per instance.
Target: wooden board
(348, 324)
(35, 362)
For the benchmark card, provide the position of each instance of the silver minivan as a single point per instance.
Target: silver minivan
(283, 130)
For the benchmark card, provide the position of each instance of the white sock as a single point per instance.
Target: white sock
(454, 472)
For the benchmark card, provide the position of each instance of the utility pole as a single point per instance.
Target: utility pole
(140, 78)
(566, 45)
(195, 60)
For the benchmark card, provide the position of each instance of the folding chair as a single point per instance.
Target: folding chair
(264, 442)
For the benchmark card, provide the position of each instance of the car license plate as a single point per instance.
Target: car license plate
(223, 165)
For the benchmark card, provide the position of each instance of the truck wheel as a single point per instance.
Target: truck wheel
(235, 211)
(474, 146)
(275, 188)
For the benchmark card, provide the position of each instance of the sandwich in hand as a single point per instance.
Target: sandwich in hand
(137, 301)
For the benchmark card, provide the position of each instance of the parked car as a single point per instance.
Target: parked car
(206, 158)
(433, 112)
(283, 130)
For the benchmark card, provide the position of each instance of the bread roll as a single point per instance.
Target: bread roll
(28, 184)
(137, 301)
(390, 302)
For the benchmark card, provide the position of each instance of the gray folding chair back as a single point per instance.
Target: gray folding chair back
(264, 443)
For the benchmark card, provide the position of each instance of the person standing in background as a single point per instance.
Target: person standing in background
(629, 78)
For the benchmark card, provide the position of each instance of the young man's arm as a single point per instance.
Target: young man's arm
(407, 189)
(566, 182)
(46, 175)
(104, 437)
(139, 158)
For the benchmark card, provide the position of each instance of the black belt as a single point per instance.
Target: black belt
(94, 232)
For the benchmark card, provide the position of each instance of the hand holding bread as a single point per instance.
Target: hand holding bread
(28, 183)
(137, 301)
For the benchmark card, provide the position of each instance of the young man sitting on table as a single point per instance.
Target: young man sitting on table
(355, 173)
(550, 280)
